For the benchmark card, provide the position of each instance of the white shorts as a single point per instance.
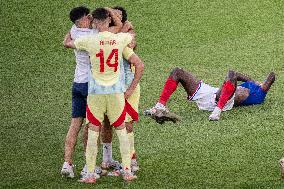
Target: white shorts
(205, 98)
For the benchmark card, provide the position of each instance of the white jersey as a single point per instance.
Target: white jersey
(205, 98)
(82, 57)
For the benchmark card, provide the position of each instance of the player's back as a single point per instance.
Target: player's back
(105, 50)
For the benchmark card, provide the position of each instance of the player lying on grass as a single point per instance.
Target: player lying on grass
(82, 23)
(107, 86)
(132, 105)
(249, 92)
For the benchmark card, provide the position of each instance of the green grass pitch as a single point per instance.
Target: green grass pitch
(207, 37)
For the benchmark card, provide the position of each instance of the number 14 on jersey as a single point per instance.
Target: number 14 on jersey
(112, 55)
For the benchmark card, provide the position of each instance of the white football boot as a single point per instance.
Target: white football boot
(67, 170)
(89, 178)
(84, 172)
(134, 165)
(128, 176)
(215, 115)
(161, 114)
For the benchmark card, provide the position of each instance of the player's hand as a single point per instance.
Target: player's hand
(128, 93)
(258, 83)
(128, 25)
(132, 45)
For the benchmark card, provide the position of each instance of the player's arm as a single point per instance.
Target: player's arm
(139, 68)
(133, 43)
(68, 42)
(128, 28)
(117, 22)
(81, 43)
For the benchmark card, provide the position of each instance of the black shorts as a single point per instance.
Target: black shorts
(79, 99)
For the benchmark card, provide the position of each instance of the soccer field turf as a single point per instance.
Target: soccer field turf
(205, 37)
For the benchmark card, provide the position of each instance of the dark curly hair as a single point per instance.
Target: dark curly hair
(100, 14)
(78, 12)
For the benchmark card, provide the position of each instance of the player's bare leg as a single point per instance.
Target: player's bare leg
(188, 81)
(224, 94)
(133, 155)
(70, 143)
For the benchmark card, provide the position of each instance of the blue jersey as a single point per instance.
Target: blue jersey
(256, 94)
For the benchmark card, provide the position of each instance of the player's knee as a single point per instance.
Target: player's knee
(177, 73)
(93, 127)
(129, 127)
(76, 122)
(232, 76)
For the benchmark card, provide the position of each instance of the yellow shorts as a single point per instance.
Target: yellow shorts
(111, 105)
(132, 104)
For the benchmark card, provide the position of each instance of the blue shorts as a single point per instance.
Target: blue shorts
(79, 99)
(256, 94)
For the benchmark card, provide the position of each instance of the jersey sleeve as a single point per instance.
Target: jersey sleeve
(82, 43)
(127, 53)
(125, 38)
(128, 38)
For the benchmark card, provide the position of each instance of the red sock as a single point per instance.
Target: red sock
(228, 90)
(169, 87)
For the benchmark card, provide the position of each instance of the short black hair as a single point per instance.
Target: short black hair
(78, 12)
(100, 14)
(124, 13)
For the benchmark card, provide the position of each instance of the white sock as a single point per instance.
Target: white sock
(160, 106)
(107, 152)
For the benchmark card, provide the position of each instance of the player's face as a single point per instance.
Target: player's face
(85, 21)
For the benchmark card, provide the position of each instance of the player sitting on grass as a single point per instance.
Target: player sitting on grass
(106, 86)
(210, 98)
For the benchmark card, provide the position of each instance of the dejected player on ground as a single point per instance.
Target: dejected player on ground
(210, 98)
